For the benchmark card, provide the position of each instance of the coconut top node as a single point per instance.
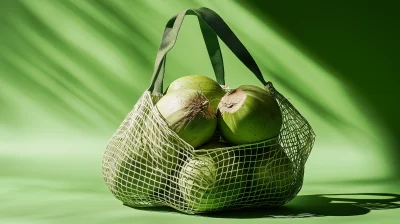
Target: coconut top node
(248, 114)
(232, 101)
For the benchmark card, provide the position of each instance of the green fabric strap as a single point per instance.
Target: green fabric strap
(168, 41)
(211, 25)
(214, 52)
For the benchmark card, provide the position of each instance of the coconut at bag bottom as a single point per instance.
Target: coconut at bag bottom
(273, 179)
(140, 177)
(140, 167)
(212, 180)
(231, 178)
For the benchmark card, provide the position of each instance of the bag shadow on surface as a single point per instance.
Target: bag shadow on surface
(320, 205)
(308, 206)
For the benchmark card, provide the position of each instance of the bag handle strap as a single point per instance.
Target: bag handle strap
(168, 41)
(215, 24)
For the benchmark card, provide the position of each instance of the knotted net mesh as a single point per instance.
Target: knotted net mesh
(147, 164)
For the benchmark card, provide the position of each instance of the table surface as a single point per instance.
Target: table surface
(39, 201)
(61, 186)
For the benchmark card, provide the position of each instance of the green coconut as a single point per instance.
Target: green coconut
(210, 88)
(273, 175)
(248, 114)
(189, 113)
(137, 178)
(140, 174)
(212, 181)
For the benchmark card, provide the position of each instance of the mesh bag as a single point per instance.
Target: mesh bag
(147, 164)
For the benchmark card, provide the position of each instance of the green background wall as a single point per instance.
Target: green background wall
(356, 39)
(70, 71)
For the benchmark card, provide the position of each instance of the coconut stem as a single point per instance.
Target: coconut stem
(199, 105)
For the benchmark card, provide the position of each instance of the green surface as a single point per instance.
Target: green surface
(71, 70)
(65, 186)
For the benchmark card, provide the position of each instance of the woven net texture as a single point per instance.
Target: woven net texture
(147, 164)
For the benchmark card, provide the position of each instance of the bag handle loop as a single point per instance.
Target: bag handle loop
(212, 25)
